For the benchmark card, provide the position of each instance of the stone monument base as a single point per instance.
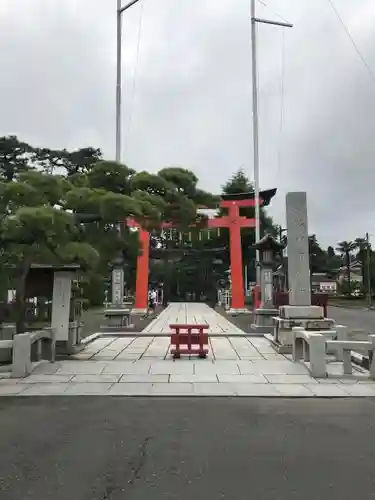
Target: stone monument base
(263, 322)
(139, 310)
(233, 311)
(116, 328)
(311, 318)
(64, 348)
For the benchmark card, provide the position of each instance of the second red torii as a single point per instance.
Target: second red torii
(233, 221)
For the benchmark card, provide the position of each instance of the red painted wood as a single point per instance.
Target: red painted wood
(184, 326)
(227, 221)
(189, 351)
(233, 221)
(141, 285)
(190, 339)
(240, 203)
(195, 338)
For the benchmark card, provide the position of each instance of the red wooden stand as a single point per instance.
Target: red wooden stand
(189, 338)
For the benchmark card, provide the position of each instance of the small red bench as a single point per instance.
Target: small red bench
(191, 336)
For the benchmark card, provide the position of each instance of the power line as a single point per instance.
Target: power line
(350, 36)
(276, 13)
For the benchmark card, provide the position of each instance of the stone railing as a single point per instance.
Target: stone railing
(312, 347)
(21, 346)
(7, 332)
(75, 332)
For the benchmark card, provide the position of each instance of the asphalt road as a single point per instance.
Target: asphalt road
(354, 318)
(101, 448)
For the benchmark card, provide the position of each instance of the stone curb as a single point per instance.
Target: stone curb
(94, 336)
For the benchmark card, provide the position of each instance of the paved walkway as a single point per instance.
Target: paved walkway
(192, 313)
(236, 366)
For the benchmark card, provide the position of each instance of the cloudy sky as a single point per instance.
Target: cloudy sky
(187, 95)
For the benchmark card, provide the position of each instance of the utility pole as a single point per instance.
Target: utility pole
(281, 231)
(254, 21)
(118, 81)
(120, 11)
(368, 259)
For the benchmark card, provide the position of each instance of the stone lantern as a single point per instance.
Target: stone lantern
(270, 251)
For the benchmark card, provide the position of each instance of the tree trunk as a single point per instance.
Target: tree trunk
(21, 276)
(363, 262)
(348, 266)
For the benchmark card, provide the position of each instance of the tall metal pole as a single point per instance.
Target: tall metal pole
(255, 134)
(254, 22)
(118, 81)
(368, 259)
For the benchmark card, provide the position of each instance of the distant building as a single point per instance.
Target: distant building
(322, 283)
(356, 273)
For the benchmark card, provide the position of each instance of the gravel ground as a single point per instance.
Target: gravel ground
(242, 321)
(93, 319)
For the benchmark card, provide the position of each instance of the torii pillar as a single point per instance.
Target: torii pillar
(141, 287)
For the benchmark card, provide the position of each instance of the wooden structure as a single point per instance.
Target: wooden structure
(192, 336)
(233, 221)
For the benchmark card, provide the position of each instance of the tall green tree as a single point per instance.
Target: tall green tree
(318, 257)
(47, 219)
(33, 229)
(15, 157)
(70, 163)
(364, 252)
(345, 248)
(240, 183)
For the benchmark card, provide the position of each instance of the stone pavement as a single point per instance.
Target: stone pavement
(236, 366)
(193, 313)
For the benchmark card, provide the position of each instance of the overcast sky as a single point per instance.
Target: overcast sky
(187, 101)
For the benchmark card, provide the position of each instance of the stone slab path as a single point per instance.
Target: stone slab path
(193, 313)
(236, 366)
(142, 365)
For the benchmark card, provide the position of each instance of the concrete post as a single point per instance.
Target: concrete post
(297, 344)
(317, 348)
(21, 363)
(372, 358)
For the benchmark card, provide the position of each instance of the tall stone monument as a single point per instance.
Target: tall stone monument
(298, 250)
(299, 312)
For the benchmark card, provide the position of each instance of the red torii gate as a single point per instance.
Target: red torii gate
(233, 221)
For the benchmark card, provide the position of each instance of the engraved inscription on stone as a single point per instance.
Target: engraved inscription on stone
(298, 249)
(117, 285)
